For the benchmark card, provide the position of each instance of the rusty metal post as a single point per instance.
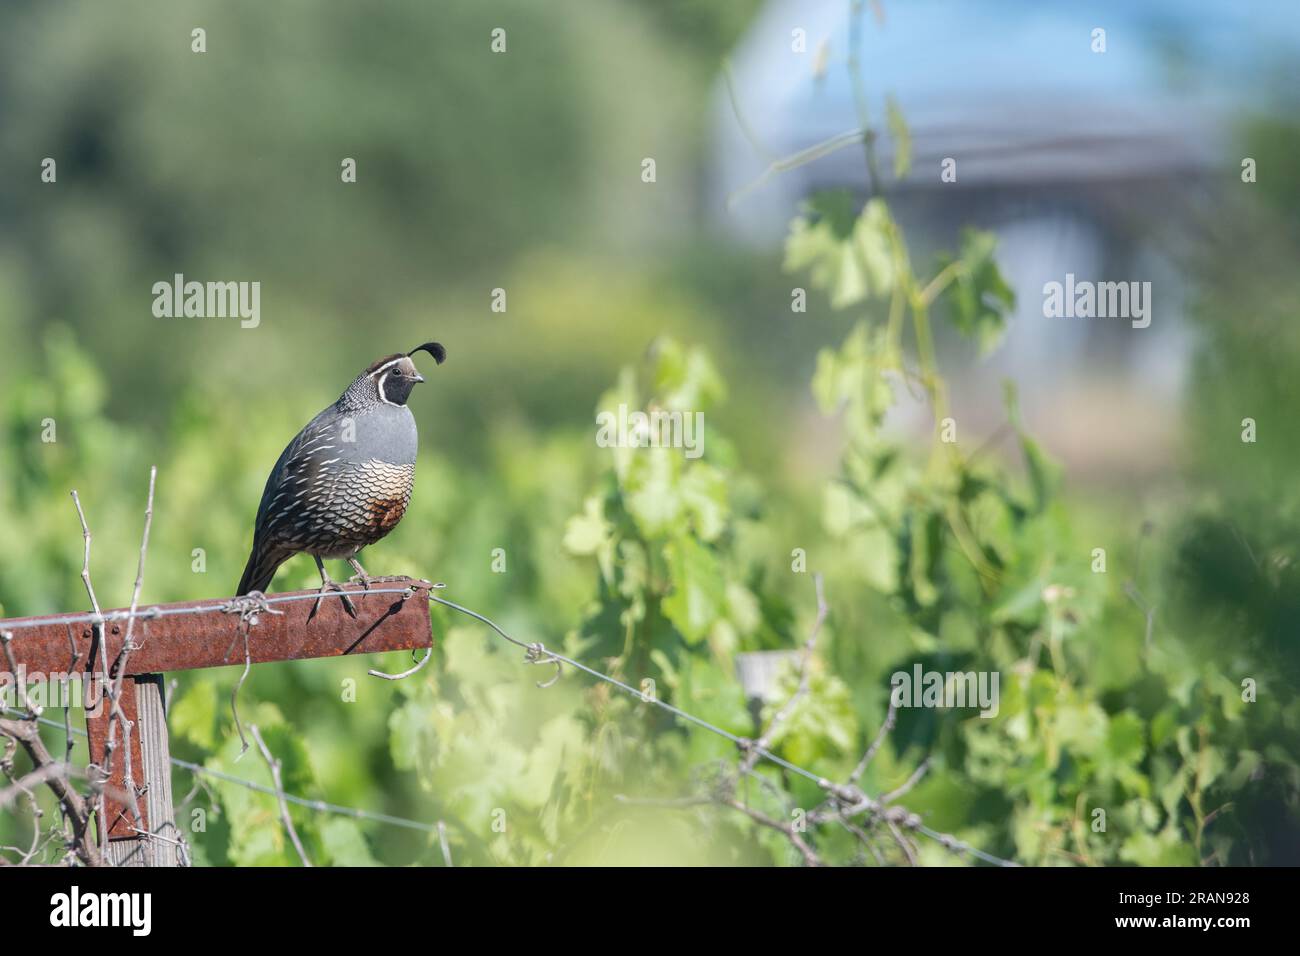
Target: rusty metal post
(179, 639)
(192, 635)
(142, 702)
(118, 820)
(143, 835)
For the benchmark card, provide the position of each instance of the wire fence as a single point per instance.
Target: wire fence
(321, 806)
(844, 797)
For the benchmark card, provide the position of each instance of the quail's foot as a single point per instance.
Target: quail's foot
(361, 577)
(365, 580)
(328, 584)
(325, 588)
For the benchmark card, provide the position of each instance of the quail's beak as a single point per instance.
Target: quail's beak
(418, 378)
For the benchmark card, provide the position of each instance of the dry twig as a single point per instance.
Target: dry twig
(279, 793)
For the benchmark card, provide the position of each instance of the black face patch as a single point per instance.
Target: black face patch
(395, 386)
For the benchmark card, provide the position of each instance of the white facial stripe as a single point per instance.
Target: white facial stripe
(386, 366)
(383, 397)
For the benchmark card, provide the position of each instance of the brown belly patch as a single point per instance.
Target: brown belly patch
(386, 512)
(387, 490)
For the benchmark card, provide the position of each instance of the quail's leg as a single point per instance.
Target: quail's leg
(326, 584)
(361, 576)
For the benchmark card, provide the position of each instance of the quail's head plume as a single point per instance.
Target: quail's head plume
(345, 481)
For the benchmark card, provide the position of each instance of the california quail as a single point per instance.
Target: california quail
(344, 482)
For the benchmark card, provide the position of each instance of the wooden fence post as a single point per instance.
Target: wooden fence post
(163, 845)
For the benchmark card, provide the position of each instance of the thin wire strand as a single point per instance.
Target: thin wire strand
(156, 611)
(319, 805)
(540, 654)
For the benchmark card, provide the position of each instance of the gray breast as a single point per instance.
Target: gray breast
(384, 433)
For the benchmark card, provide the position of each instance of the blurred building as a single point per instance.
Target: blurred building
(1105, 165)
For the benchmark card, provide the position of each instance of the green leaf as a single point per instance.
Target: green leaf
(926, 548)
(978, 298)
(1024, 605)
(654, 498)
(404, 741)
(1125, 742)
(588, 532)
(345, 843)
(901, 135)
(1044, 474)
(848, 267)
(821, 724)
(704, 492)
(743, 609)
(838, 208)
(815, 247)
(257, 835)
(194, 715)
(712, 694)
(850, 283)
(1166, 848)
(873, 239)
(685, 379)
(699, 591)
(855, 376)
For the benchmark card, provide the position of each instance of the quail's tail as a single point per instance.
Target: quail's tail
(261, 567)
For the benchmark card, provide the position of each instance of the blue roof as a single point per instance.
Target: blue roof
(1012, 86)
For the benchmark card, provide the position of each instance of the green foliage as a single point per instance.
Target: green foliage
(658, 568)
(856, 376)
(902, 137)
(951, 560)
(979, 297)
(989, 577)
(850, 264)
